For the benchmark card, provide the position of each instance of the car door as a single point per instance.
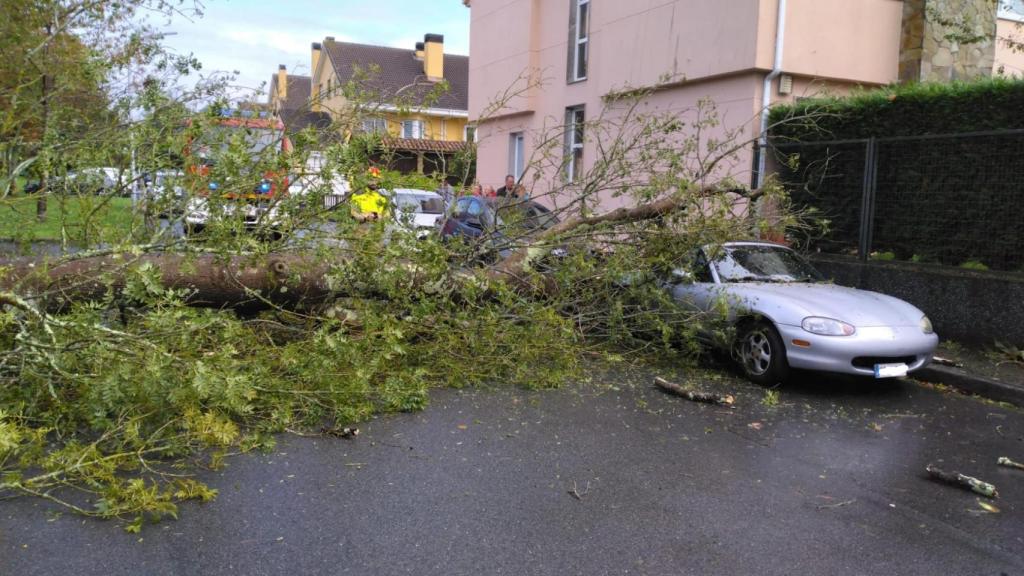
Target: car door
(467, 219)
(698, 291)
(696, 288)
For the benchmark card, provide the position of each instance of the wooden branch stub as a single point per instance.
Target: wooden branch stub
(694, 395)
(963, 481)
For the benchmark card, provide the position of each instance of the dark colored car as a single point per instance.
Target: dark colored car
(493, 225)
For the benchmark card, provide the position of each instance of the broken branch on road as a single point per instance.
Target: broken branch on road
(1004, 461)
(694, 395)
(963, 481)
(836, 505)
(576, 493)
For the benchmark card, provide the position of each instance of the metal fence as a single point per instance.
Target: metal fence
(954, 199)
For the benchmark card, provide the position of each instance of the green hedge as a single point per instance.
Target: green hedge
(950, 200)
(906, 110)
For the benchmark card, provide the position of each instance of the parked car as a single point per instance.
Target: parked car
(417, 211)
(101, 180)
(786, 316)
(494, 224)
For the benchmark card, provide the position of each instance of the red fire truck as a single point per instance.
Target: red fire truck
(251, 196)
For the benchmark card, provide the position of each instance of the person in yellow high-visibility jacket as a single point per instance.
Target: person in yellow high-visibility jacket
(369, 204)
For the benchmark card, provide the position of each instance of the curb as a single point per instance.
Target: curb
(972, 383)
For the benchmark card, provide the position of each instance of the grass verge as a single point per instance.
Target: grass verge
(78, 219)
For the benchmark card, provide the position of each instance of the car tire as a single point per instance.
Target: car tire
(760, 353)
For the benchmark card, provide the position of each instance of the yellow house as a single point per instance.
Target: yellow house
(289, 100)
(418, 98)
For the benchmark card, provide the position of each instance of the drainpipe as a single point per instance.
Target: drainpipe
(766, 92)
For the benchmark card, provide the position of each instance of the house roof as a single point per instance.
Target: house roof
(396, 76)
(418, 145)
(299, 91)
(296, 120)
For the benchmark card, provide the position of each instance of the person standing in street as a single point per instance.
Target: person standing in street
(447, 194)
(509, 189)
(369, 204)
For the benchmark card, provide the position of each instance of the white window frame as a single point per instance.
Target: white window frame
(516, 154)
(1011, 10)
(579, 41)
(574, 140)
(412, 129)
(375, 125)
(469, 133)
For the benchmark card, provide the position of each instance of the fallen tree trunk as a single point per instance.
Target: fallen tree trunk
(208, 280)
(282, 279)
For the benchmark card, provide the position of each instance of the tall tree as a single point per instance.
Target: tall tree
(59, 60)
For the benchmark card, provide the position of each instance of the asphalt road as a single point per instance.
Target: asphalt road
(830, 481)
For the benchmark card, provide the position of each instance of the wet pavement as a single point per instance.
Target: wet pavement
(608, 477)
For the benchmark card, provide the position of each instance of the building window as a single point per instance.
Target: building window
(412, 129)
(579, 39)
(516, 157)
(574, 123)
(469, 133)
(1011, 9)
(375, 125)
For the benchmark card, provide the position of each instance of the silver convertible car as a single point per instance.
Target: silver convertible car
(786, 316)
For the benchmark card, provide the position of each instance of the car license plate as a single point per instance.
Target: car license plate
(890, 370)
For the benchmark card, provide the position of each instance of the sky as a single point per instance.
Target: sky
(253, 37)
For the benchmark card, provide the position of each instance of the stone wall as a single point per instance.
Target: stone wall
(947, 40)
(968, 306)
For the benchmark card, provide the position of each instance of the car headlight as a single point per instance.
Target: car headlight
(827, 326)
(926, 325)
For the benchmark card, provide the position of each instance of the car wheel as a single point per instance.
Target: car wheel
(761, 354)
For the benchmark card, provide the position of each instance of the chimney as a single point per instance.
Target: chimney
(282, 83)
(419, 51)
(433, 57)
(316, 58)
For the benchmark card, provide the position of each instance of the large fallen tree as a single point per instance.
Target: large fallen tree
(290, 278)
(145, 355)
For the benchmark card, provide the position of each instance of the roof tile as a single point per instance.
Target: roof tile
(397, 76)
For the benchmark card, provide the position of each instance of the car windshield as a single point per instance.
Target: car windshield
(528, 215)
(419, 204)
(760, 263)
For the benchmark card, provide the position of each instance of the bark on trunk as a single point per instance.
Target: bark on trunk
(211, 281)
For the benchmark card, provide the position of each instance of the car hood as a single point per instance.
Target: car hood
(422, 220)
(418, 220)
(791, 302)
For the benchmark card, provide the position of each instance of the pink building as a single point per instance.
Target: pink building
(743, 55)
